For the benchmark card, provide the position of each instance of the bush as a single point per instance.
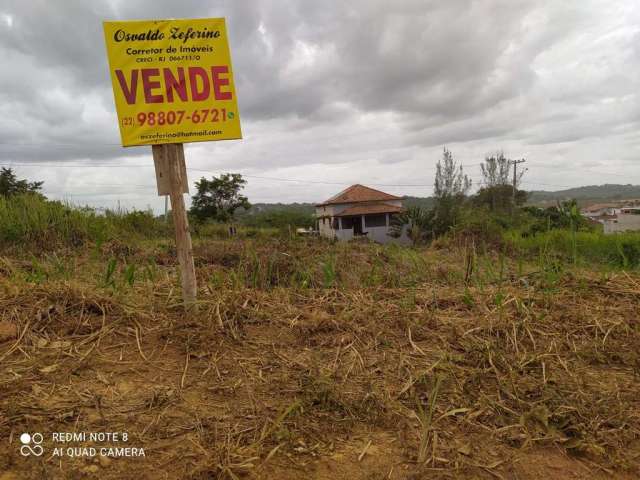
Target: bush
(620, 250)
(278, 219)
(479, 226)
(31, 220)
(221, 230)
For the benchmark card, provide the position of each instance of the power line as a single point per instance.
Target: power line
(93, 194)
(78, 165)
(123, 165)
(258, 177)
(10, 144)
(118, 185)
(319, 182)
(79, 145)
(549, 184)
(149, 165)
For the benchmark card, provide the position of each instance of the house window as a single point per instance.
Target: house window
(347, 222)
(323, 219)
(372, 221)
(335, 223)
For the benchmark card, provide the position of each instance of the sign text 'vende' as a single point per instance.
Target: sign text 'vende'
(172, 81)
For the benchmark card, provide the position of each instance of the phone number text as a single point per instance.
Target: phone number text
(176, 117)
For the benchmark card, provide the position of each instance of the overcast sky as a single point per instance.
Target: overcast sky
(339, 92)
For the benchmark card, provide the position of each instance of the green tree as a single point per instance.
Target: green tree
(496, 170)
(496, 192)
(565, 214)
(219, 198)
(277, 219)
(450, 190)
(10, 185)
(499, 198)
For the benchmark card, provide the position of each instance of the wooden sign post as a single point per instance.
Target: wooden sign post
(171, 177)
(173, 82)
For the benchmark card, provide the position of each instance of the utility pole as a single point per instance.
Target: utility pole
(515, 179)
(171, 176)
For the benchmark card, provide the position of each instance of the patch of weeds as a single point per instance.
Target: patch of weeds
(150, 272)
(329, 272)
(301, 277)
(425, 416)
(109, 274)
(628, 254)
(408, 301)
(217, 279)
(37, 272)
(374, 276)
(498, 299)
(60, 267)
(129, 274)
(468, 299)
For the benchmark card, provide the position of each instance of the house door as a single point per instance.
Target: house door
(357, 226)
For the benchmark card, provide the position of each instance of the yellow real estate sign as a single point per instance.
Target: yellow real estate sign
(172, 81)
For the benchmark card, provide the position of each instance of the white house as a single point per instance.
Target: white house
(620, 216)
(358, 212)
(600, 210)
(626, 220)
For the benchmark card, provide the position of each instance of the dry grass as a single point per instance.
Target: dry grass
(320, 361)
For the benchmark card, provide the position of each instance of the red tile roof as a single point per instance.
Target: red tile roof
(600, 206)
(369, 209)
(359, 193)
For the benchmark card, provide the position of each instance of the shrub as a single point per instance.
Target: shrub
(31, 220)
(619, 250)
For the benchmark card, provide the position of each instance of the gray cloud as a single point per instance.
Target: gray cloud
(359, 91)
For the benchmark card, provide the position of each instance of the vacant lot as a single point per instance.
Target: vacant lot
(312, 360)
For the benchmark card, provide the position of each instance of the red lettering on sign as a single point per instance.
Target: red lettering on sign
(218, 82)
(174, 86)
(171, 84)
(129, 93)
(199, 95)
(148, 85)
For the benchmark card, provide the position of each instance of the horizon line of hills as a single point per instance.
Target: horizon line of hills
(584, 196)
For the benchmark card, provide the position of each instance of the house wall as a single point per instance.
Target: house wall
(380, 235)
(344, 234)
(325, 229)
(601, 212)
(377, 234)
(624, 223)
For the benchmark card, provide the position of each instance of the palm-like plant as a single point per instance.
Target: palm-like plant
(418, 223)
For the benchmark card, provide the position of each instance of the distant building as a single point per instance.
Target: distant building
(600, 210)
(619, 216)
(627, 219)
(359, 212)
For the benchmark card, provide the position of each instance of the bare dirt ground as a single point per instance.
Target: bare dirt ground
(525, 378)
